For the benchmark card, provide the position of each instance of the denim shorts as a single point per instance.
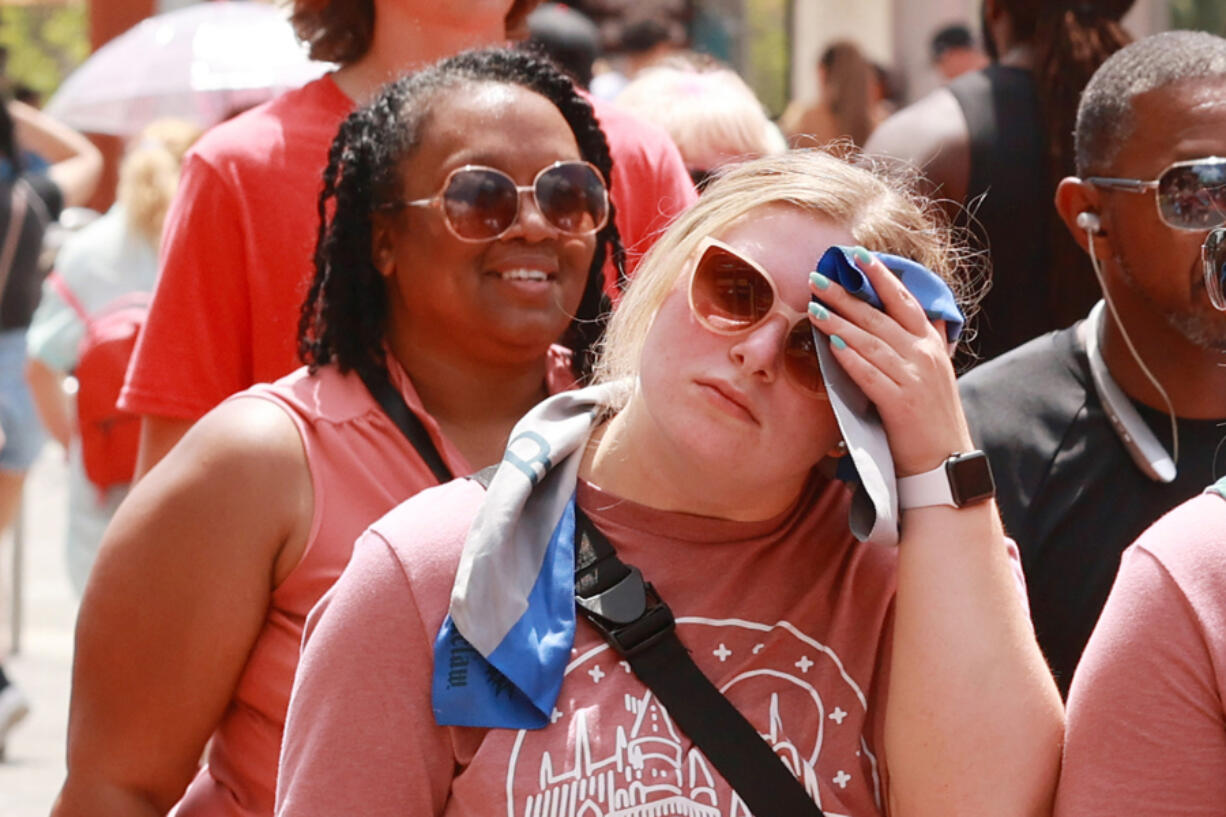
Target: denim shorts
(23, 432)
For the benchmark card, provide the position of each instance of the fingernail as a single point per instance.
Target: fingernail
(818, 311)
(862, 255)
(838, 343)
(818, 280)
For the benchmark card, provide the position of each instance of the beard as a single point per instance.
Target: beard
(1201, 325)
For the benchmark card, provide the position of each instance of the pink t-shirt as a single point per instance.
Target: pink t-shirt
(237, 251)
(790, 616)
(1146, 719)
(361, 466)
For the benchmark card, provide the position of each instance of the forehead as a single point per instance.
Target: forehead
(501, 125)
(1184, 120)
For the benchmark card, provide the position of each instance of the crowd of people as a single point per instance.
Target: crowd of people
(505, 447)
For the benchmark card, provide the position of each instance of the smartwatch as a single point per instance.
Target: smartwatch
(963, 479)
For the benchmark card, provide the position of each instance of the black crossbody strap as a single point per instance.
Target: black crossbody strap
(392, 401)
(630, 615)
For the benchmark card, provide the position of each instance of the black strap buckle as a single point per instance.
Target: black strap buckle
(630, 615)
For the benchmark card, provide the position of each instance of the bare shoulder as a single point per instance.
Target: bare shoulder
(248, 434)
(932, 135)
(239, 471)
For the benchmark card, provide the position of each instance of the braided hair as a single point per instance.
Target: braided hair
(344, 317)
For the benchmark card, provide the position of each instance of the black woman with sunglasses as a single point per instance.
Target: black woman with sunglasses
(1100, 428)
(465, 219)
(662, 584)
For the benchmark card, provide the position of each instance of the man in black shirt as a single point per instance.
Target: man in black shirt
(1078, 423)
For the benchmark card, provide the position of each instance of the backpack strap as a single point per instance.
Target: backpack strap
(392, 402)
(628, 612)
(68, 296)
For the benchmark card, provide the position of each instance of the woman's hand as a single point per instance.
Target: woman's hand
(900, 360)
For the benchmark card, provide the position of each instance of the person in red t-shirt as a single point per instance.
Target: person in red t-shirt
(888, 679)
(238, 240)
(443, 292)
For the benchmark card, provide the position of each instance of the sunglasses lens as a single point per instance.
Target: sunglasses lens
(1214, 256)
(480, 203)
(1193, 196)
(727, 294)
(800, 359)
(573, 198)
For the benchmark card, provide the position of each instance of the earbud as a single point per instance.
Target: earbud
(1089, 222)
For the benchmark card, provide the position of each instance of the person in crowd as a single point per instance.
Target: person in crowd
(955, 52)
(644, 41)
(711, 114)
(29, 201)
(647, 162)
(1146, 704)
(568, 37)
(467, 220)
(699, 455)
(1098, 429)
(108, 259)
(238, 235)
(845, 109)
(995, 143)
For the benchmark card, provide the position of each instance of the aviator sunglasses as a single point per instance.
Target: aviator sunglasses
(732, 295)
(1213, 258)
(1191, 195)
(481, 203)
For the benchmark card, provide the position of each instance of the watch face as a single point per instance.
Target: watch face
(970, 478)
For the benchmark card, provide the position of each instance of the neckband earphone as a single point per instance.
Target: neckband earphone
(1143, 447)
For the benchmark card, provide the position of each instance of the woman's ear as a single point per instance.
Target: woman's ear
(382, 244)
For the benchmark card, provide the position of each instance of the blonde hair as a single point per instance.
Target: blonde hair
(708, 113)
(149, 174)
(877, 206)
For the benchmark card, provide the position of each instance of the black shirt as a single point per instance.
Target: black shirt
(24, 279)
(1068, 491)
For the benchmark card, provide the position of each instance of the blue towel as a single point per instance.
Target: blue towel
(838, 264)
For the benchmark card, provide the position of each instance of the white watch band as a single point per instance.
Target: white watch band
(929, 488)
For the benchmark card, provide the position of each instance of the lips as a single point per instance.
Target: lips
(727, 396)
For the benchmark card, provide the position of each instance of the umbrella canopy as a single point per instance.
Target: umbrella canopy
(199, 63)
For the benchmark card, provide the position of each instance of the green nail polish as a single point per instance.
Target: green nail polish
(818, 311)
(838, 343)
(862, 255)
(818, 280)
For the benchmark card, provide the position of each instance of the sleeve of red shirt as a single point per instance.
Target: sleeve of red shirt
(193, 350)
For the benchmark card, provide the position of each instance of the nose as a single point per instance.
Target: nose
(758, 351)
(530, 223)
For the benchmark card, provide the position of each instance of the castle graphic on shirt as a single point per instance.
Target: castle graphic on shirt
(624, 757)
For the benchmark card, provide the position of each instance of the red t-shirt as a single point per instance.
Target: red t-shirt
(650, 186)
(791, 617)
(240, 238)
(236, 256)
